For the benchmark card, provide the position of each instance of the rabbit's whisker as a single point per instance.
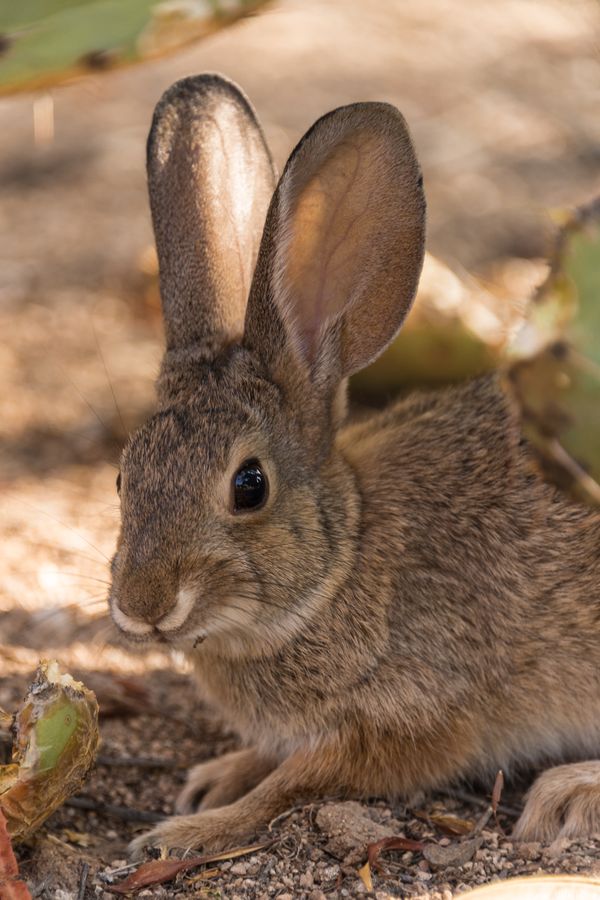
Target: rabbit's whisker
(43, 512)
(108, 378)
(106, 428)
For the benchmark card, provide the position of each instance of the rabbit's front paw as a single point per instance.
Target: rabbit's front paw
(564, 802)
(207, 831)
(221, 781)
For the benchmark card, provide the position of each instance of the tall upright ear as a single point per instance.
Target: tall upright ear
(210, 179)
(343, 246)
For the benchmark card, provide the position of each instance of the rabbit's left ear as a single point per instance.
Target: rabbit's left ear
(343, 245)
(210, 179)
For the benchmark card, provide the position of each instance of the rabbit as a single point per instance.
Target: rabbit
(377, 608)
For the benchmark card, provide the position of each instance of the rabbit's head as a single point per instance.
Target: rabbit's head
(238, 514)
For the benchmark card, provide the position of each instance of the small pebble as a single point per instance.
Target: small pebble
(306, 879)
(239, 868)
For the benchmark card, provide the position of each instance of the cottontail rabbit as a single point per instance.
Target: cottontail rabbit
(377, 608)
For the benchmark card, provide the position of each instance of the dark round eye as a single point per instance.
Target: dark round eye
(119, 483)
(250, 487)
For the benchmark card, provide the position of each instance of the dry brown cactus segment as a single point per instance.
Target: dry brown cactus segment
(554, 365)
(55, 738)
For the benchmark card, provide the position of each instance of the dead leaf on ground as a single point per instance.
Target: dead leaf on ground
(454, 855)
(375, 850)
(79, 838)
(364, 873)
(497, 791)
(452, 825)
(11, 887)
(204, 876)
(159, 871)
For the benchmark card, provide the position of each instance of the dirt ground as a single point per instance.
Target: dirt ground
(503, 102)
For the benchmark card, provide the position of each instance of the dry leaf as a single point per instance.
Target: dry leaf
(11, 887)
(392, 843)
(203, 876)
(454, 855)
(447, 823)
(364, 873)
(497, 791)
(79, 838)
(158, 871)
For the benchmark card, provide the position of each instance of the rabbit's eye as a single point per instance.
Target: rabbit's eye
(250, 487)
(119, 483)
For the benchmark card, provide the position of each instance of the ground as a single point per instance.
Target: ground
(502, 100)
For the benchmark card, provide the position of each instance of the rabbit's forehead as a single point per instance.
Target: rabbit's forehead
(185, 442)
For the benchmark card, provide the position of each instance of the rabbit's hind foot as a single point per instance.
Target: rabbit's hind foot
(564, 802)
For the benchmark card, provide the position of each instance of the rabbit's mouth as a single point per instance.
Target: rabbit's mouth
(163, 630)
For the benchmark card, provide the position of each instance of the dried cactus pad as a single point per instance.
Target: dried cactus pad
(55, 742)
(554, 364)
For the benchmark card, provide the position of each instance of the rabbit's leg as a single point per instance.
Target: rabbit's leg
(304, 774)
(564, 802)
(221, 781)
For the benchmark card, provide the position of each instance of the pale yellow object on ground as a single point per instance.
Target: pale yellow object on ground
(543, 887)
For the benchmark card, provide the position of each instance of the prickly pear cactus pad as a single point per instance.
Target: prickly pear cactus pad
(55, 742)
(45, 41)
(554, 364)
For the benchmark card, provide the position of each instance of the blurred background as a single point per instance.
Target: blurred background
(503, 102)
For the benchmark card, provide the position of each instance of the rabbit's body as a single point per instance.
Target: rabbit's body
(460, 651)
(377, 608)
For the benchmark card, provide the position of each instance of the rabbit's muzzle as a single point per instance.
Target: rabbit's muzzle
(146, 600)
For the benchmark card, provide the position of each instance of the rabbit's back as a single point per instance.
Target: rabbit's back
(493, 576)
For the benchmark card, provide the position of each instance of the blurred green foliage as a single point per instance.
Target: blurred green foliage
(45, 41)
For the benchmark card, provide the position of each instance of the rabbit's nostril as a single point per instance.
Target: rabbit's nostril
(130, 624)
(174, 619)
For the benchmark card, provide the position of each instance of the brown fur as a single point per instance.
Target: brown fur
(413, 604)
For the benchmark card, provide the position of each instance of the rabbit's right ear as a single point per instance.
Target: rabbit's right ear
(343, 247)
(210, 179)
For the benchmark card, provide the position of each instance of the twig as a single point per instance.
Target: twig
(83, 881)
(117, 812)
(582, 478)
(288, 812)
(110, 874)
(467, 797)
(141, 762)
(497, 790)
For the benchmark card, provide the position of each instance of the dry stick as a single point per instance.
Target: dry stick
(288, 812)
(83, 881)
(117, 812)
(142, 762)
(467, 797)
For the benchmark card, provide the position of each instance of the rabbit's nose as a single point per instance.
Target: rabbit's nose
(130, 624)
(163, 622)
(141, 599)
